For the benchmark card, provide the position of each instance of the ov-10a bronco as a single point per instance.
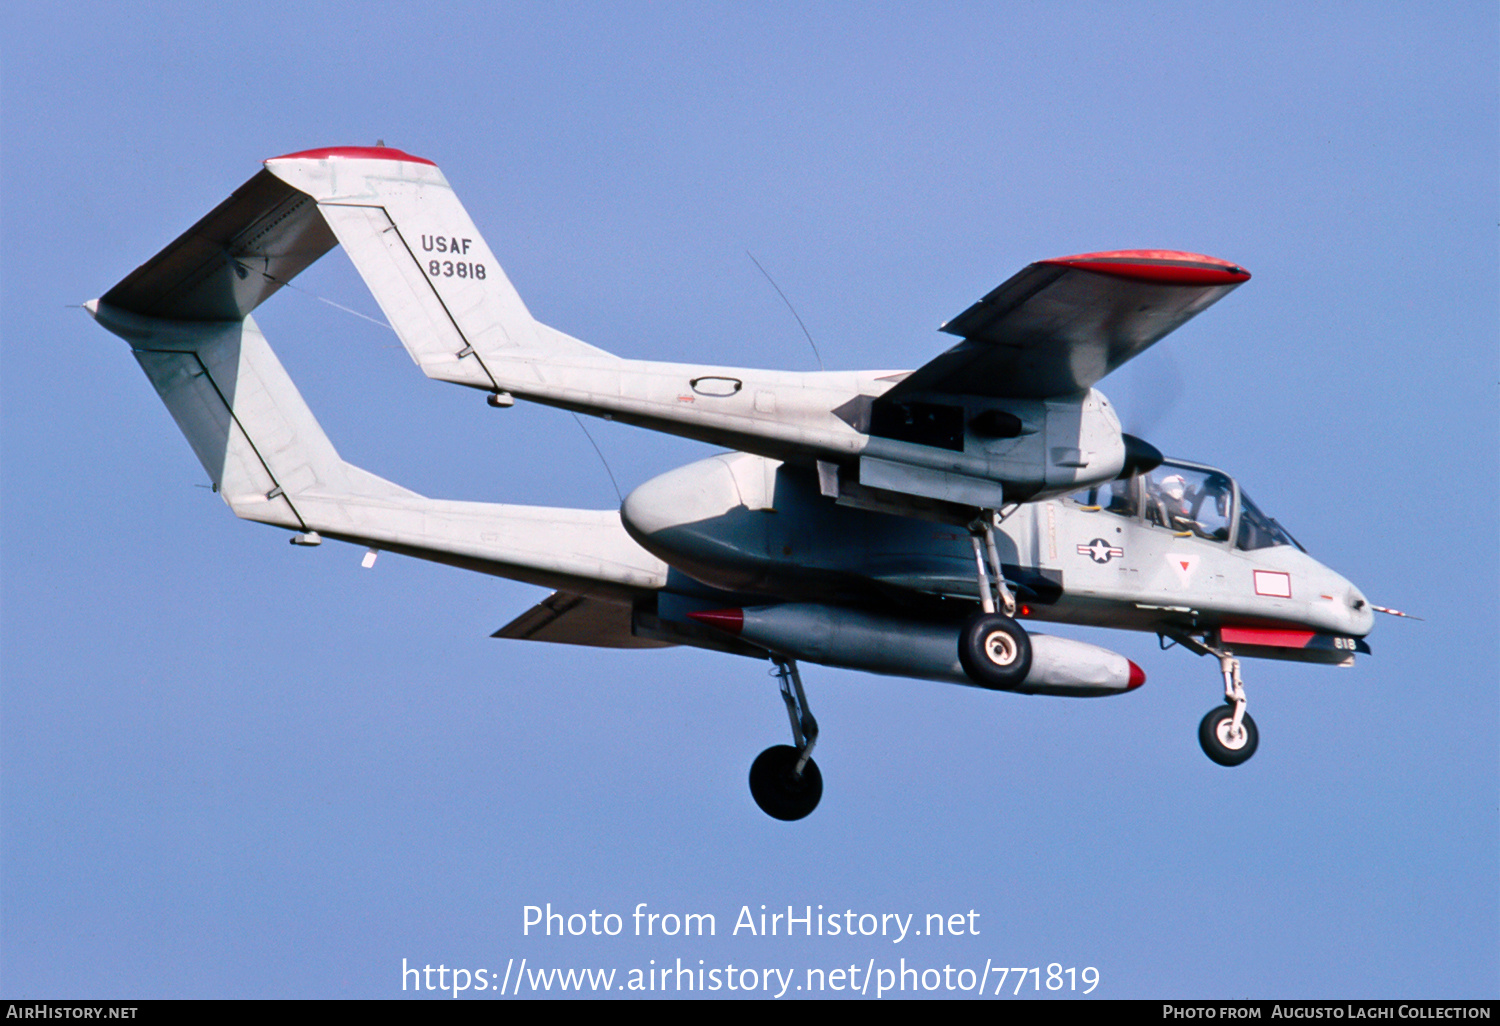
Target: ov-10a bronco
(910, 523)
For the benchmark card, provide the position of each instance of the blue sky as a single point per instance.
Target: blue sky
(235, 768)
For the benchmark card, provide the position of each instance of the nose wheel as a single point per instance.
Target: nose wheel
(1223, 741)
(1228, 734)
(784, 780)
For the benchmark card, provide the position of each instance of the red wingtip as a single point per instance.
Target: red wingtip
(730, 621)
(1162, 266)
(355, 153)
(1137, 676)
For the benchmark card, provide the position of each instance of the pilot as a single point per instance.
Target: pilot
(1203, 510)
(1174, 489)
(1169, 496)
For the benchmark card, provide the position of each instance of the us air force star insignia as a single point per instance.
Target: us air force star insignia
(1100, 551)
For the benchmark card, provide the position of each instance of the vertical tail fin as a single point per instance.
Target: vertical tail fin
(271, 462)
(243, 416)
(426, 264)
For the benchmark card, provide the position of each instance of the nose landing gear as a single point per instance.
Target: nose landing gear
(1228, 734)
(784, 780)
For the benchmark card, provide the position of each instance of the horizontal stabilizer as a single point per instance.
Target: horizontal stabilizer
(566, 619)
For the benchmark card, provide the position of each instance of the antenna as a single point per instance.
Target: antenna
(789, 306)
(600, 452)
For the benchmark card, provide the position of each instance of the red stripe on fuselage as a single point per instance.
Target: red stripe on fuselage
(1268, 637)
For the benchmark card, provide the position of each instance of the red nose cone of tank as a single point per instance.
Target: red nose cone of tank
(1137, 676)
(731, 621)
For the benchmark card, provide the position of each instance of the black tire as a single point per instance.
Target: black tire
(779, 794)
(1213, 735)
(995, 652)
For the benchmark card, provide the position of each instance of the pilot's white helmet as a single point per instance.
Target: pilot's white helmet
(1174, 486)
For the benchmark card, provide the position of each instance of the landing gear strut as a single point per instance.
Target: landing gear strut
(784, 780)
(993, 649)
(1228, 734)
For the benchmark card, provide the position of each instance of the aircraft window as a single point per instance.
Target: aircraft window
(1258, 531)
(1112, 496)
(1188, 500)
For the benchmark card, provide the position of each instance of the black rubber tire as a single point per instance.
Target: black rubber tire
(1215, 747)
(995, 651)
(777, 792)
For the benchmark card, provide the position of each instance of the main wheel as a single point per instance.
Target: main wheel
(1220, 743)
(995, 651)
(779, 794)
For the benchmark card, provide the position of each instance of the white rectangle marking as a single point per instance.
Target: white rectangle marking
(1273, 584)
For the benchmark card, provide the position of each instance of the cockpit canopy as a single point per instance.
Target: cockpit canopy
(1189, 499)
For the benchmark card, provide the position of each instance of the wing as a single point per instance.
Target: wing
(1060, 325)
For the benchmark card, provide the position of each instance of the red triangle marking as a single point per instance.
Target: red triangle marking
(1185, 564)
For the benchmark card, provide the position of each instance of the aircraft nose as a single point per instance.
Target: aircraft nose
(1346, 609)
(1361, 614)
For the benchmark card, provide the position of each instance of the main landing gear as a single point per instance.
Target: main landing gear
(1228, 734)
(993, 649)
(784, 780)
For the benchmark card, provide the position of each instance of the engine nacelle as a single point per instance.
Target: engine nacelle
(978, 451)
